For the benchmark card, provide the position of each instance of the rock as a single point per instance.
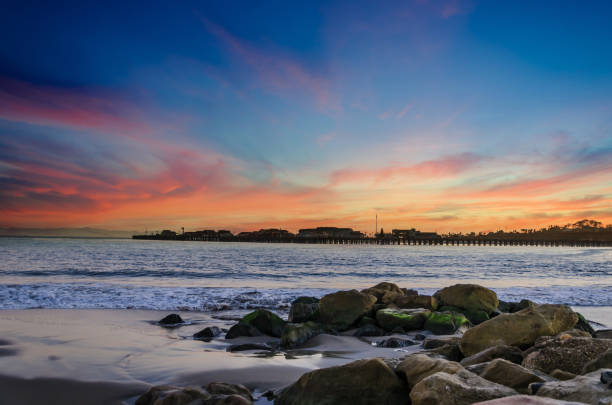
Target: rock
(433, 342)
(406, 319)
(461, 388)
(569, 354)
(417, 301)
(343, 308)
(171, 319)
(478, 368)
(445, 323)
(220, 388)
(410, 291)
(573, 333)
(262, 320)
(420, 337)
(606, 378)
(449, 351)
(512, 307)
(249, 346)
(602, 361)
(603, 334)
(304, 309)
(225, 400)
(519, 329)
(468, 296)
(207, 333)
(474, 316)
(172, 395)
(526, 400)
(509, 374)
(584, 325)
(509, 353)
(585, 388)
(418, 366)
(240, 330)
(296, 334)
(361, 382)
(395, 343)
(366, 320)
(380, 289)
(562, 375)
(369, 330)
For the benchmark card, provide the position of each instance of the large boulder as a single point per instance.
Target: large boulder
(510, 353)
(296, 334)
(603, 334)
(526, 400)
(570, 354)
(343, 308)
(418, 366)
(406, 319)
(417, 301)
(461, 388)
(261, 320)
(468, 296)
(602, 361)
(445, 323)
(587, 389)
(520, 329)
(368, 381)
(304, 309)
(511, 375)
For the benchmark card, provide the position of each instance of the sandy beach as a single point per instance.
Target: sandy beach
(60, 356)
(63, 356)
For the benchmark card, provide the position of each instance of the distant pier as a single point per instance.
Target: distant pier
(346, 236)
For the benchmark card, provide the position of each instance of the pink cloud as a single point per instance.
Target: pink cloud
(45, 105)
(404, 110)
(437, 168)
(278, 71)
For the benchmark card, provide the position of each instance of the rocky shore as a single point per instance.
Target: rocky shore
(473, 348)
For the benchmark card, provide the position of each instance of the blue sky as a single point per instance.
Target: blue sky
(438, 114)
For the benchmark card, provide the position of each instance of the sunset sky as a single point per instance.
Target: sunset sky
(440, 115)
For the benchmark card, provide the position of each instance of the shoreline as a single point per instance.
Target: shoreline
(110, 356)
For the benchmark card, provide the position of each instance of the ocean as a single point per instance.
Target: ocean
(210, 276)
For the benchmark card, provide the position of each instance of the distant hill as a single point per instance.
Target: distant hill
(66, 232)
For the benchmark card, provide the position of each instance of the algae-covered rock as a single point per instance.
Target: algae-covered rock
(584, 325)
(296, 334)
(468, 296)
(405, 319)
(343, 308)
(512, 307)
(417, 301)
(519, 329)
(416, 367)
(474, 316)
(461, 388)
(304, 309)
(510, 374)
(260, 320)
(567, 354)
(361, 382)
(445, 323)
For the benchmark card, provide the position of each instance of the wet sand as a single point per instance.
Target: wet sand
(58, 356)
